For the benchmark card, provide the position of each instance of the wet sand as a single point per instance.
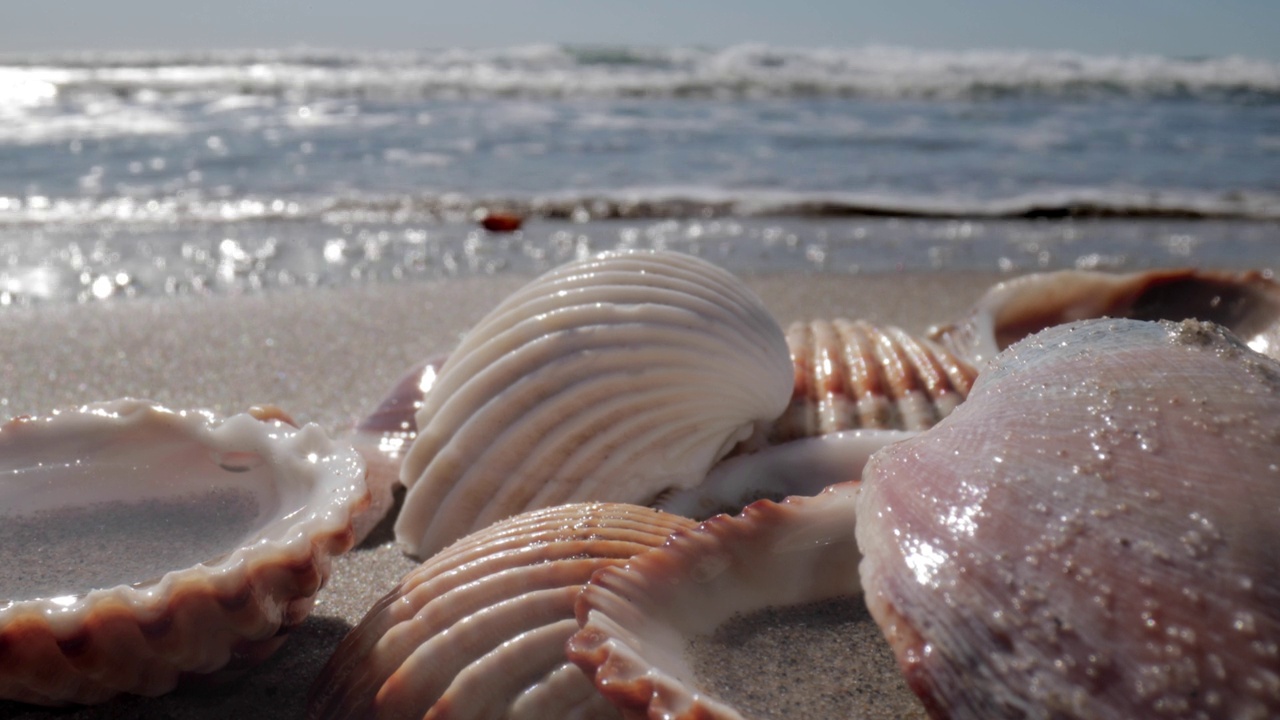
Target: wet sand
(328, 356)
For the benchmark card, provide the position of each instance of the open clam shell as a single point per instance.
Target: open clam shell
(143, 545)
(479, 629)
(608, 379)
(1247, 303)
(637, 620)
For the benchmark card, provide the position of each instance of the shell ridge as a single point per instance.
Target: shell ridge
(594, 457)
(866, 375)
(547, 351)
(567, 690)
(484, 466)
(437, 658)
(516, 664)
(433, 669)
(681, 304)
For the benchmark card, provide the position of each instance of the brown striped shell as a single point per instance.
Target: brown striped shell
(853, 375)
(479, 629)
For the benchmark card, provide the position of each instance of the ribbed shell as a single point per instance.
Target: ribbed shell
(479, 629)
(853, 375)
(608, 379)
(1092, 534)
(637, 619)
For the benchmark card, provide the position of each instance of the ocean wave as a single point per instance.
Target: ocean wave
(637, 205)
(750, 70)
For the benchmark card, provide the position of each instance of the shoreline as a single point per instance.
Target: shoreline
(327, 356)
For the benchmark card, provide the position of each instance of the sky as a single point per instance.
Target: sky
(1180, 28)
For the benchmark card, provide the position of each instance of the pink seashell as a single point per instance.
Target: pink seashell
(1091, 534)
(479, 629)
(144, 546)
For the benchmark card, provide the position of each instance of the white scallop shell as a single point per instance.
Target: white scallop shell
(143, 545)
(479, 629)
(612, 378)
(1247, 303)
(637, 619)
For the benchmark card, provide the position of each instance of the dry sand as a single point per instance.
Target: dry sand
(327, 356)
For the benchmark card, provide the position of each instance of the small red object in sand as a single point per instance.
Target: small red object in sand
(502, 222)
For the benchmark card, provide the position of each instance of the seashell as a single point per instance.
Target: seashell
(1091, 534)
(383, 437)
(144, 545)
(637, 620)
(479, 629)
(857, 388)
(1247, 303)
(611, 379)
(852, 375)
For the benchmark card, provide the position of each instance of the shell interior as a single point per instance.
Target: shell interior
(142, 545)
(80, 514)
(126, 492)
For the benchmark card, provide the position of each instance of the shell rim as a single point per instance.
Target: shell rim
(335, 493)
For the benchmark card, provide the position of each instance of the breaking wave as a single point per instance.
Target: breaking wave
(557, 71)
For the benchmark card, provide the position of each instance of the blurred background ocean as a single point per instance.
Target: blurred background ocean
(170, 173)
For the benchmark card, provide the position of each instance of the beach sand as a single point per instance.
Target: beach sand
(328, 356)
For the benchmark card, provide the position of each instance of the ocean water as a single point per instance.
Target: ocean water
(127, 174)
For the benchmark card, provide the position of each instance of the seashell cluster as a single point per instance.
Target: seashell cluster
(1091, 534)
(638, 619)
(479, 629)
(143, 545)
(608, 379)
(565, 393)
(1084, 528)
